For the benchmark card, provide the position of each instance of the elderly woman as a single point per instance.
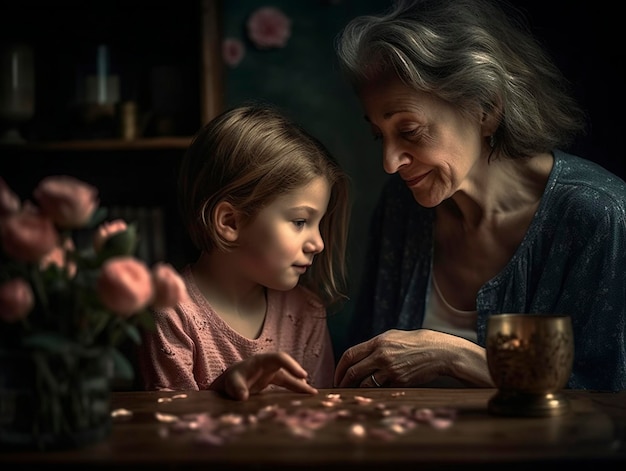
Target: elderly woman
(485, 211)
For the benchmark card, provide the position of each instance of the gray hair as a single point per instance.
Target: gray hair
(475, 54)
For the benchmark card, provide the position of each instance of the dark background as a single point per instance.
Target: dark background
(584, 38)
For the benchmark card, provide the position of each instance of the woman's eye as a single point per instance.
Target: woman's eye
(410, 132)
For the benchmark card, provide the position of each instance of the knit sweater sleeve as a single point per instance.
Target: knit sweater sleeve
(166, 355)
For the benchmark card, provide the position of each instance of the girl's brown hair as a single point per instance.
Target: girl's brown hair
(250, 155)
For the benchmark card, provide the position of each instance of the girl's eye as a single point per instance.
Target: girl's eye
(299, 223)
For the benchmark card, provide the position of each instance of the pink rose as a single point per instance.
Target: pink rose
(9, 201)
(16, 300)
(58, 256)
(268, 27)
(125, 285)
(232, 51)
(69, 202)
(169, 287)
(28, 235)
(106, 230)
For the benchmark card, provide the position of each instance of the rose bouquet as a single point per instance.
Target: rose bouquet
(70, 284)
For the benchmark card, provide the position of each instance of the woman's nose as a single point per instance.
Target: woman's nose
(393, 158)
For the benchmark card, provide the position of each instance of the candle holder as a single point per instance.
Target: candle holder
(17, 90)
(530, 360)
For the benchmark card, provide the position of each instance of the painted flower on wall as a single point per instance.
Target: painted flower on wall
(233, 51)
(269, 27)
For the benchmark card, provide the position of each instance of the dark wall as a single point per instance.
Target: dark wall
(585, 38)
(302, 78)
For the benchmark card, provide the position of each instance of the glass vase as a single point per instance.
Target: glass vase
(51, 401)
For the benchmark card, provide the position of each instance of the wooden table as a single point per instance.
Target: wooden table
(345, 429)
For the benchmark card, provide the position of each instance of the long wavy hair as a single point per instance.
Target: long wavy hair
(475, 54)
(250, 155)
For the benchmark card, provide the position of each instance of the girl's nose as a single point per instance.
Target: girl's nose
(315, 244)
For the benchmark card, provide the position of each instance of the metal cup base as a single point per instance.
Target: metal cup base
(515, 404)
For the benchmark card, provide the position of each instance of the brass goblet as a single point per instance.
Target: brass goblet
(530, 359)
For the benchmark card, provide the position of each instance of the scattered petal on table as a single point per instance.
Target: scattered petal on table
(121, 413)
(167, 418)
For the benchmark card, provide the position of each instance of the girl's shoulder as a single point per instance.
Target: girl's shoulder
(299, 301)
(194, 309)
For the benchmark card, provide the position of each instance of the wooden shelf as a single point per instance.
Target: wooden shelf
(163, 56)
(152, 143)
(167, 60)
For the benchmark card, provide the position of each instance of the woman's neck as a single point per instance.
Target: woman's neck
(500, 189)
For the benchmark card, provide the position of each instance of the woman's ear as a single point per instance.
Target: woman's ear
(226, 220)
(491, 120)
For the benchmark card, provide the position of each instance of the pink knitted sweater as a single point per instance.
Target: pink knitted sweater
(192, 345)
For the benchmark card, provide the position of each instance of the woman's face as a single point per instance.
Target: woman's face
(424, 139)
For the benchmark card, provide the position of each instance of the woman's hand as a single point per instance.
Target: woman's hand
(252, 375)
(401, 358)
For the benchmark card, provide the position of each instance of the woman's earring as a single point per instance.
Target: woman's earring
(492, 141)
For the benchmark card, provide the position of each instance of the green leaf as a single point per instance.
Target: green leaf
(100, 320)
(51, 342)
(122, 367)
(132, 332)
(97, 217)
(145, 320)
(121, 243)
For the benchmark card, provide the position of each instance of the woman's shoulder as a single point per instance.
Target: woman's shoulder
(577, 171)
(584, 186)
(583, 197)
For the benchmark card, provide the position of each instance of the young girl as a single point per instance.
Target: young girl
(268, 209)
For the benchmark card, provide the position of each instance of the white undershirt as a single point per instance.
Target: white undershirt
(442, 317)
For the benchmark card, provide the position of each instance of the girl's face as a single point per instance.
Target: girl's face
(279, 245)
(424, 139)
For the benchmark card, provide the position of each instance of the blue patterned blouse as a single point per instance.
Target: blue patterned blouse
(572, 260)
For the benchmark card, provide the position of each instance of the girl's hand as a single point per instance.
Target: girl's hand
(254, 374)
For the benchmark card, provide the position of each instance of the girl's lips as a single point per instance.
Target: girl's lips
(301, 268)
